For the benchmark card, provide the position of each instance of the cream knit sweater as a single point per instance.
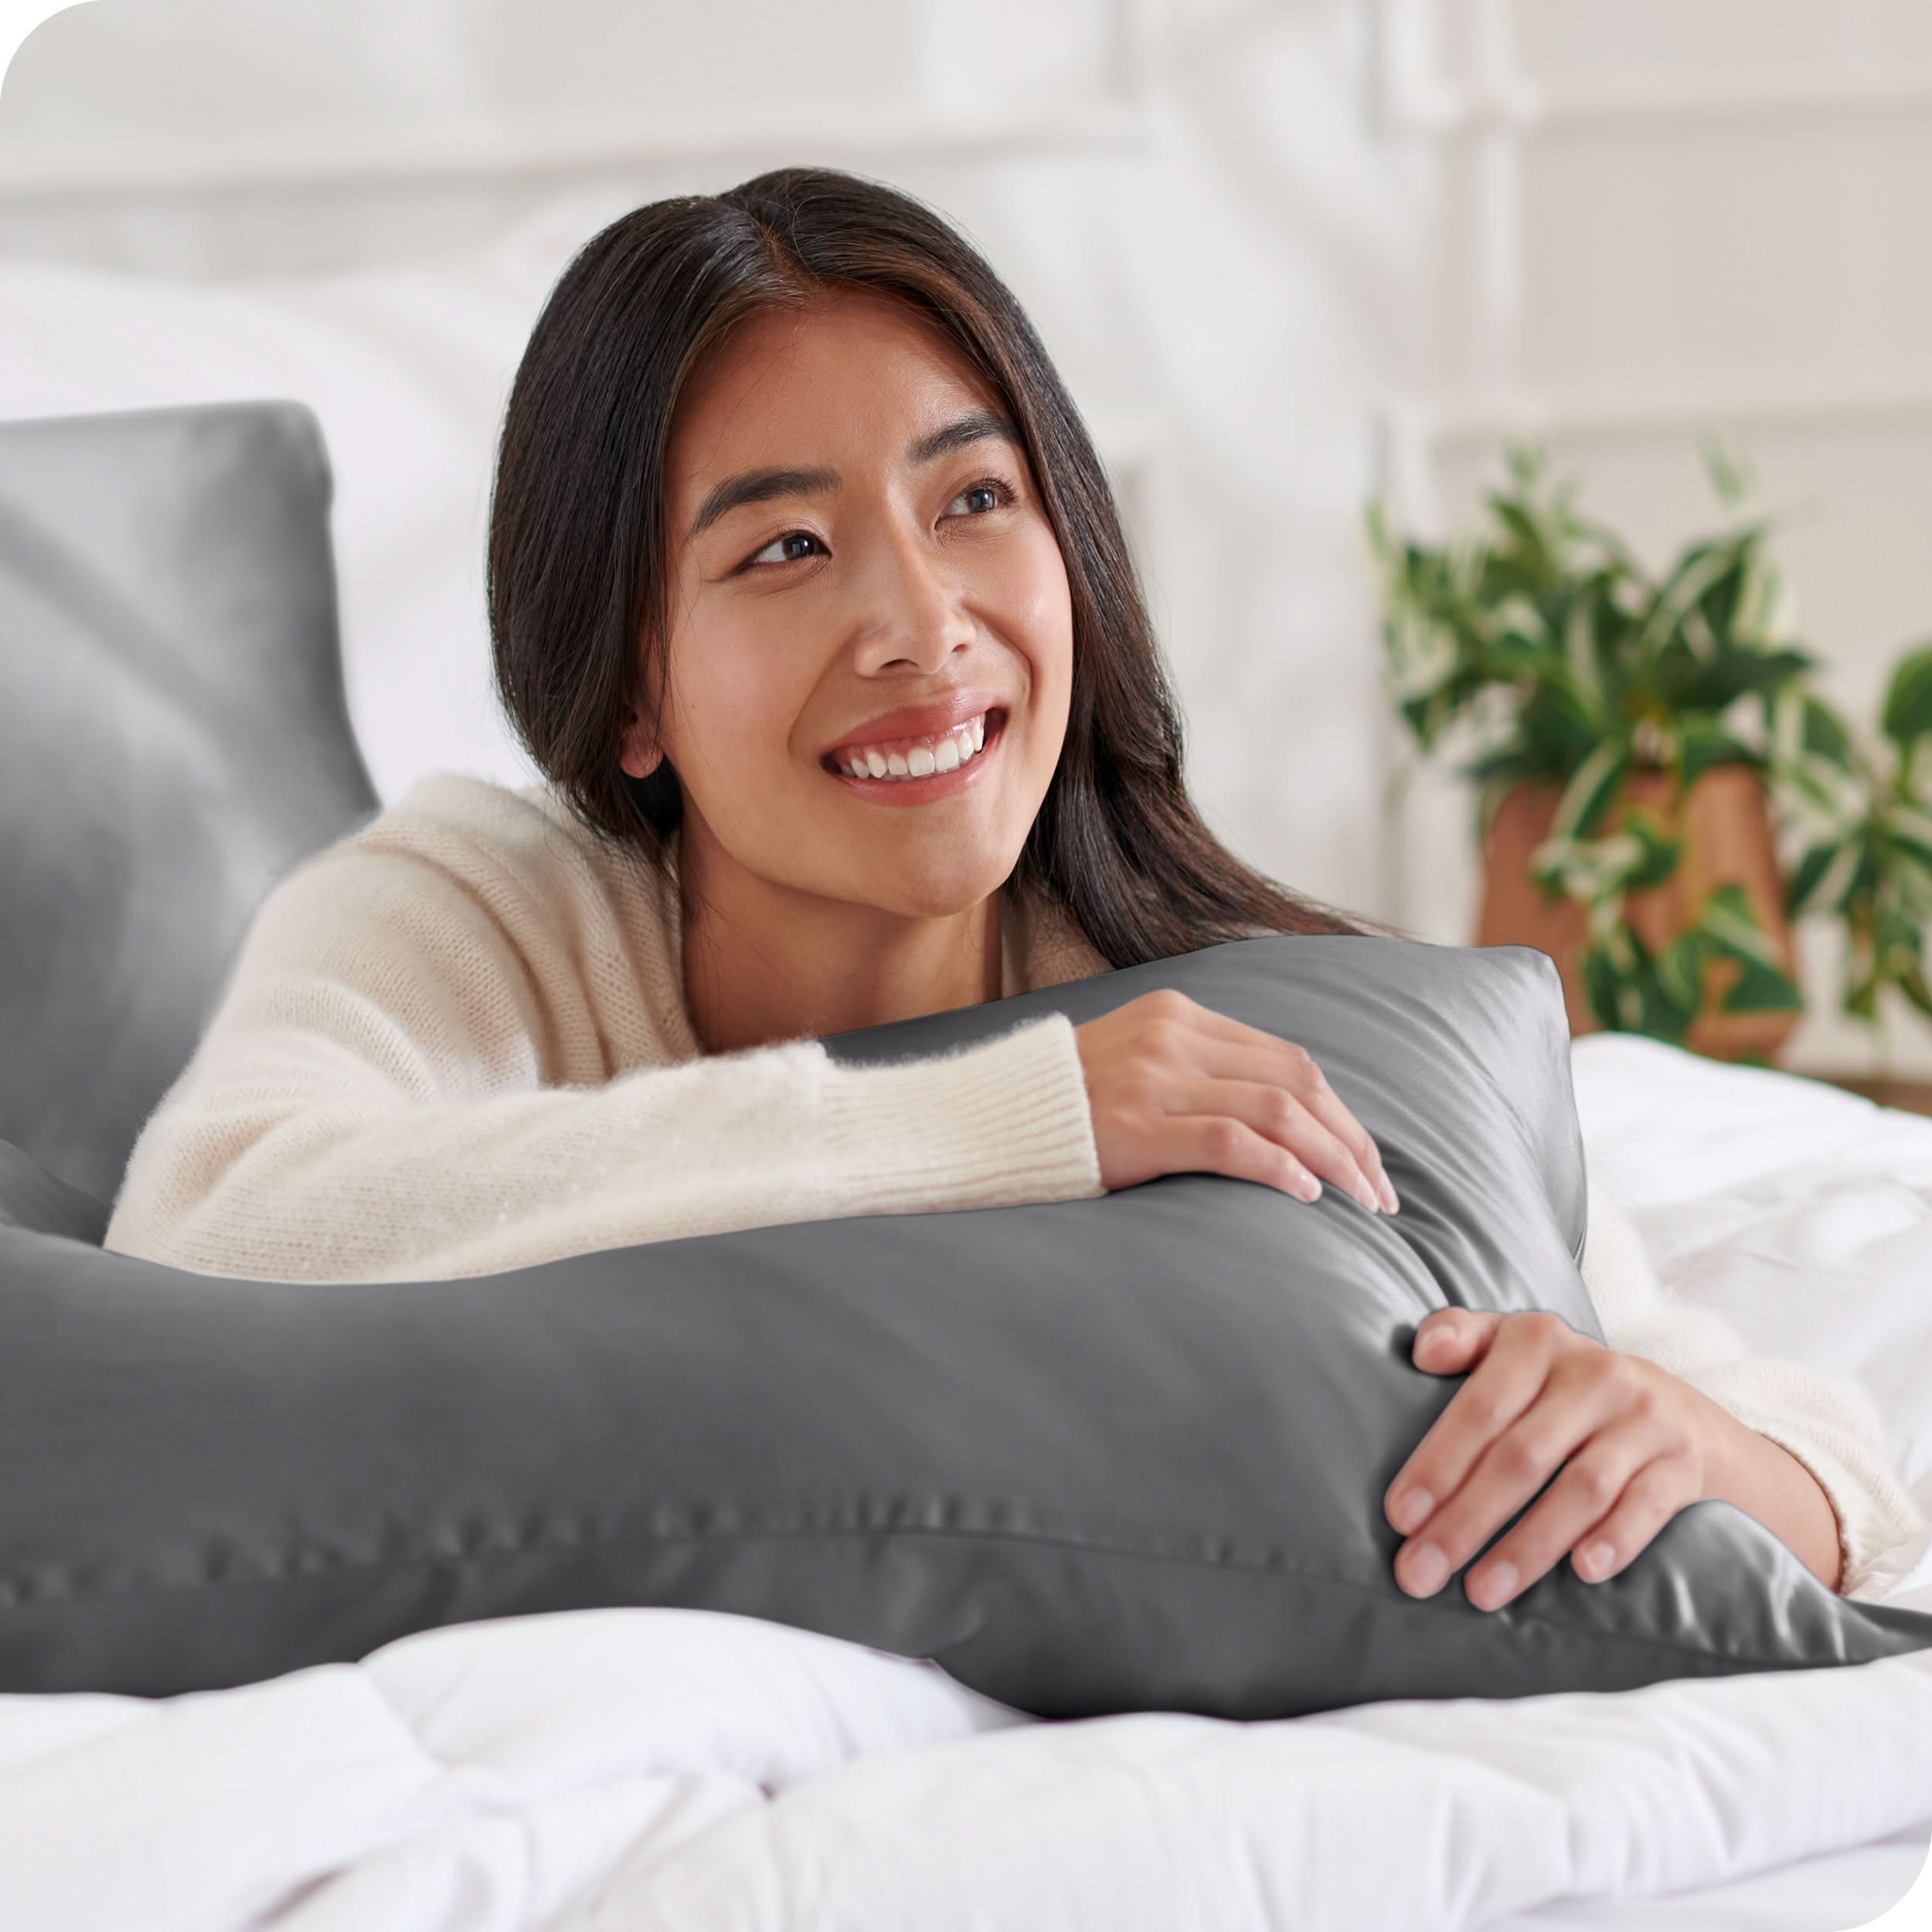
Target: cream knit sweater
(456, 1042)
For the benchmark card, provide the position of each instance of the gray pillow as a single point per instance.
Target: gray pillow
(30, 1197)
(174, 737)
(1092, 1455)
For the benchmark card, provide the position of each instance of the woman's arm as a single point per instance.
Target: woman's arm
(1621, 1445)
(1623, 1442)
(376, 1098)
(1825, 1422)
(1767, 1481)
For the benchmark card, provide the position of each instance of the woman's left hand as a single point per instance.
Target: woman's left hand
(1633, 1443)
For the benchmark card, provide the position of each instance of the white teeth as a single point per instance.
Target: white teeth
(922, 761)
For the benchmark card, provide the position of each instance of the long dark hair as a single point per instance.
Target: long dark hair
(579, 555)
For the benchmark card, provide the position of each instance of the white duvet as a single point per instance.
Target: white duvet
(649, 1770)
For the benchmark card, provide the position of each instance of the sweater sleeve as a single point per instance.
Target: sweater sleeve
(1826, 1419)
(368, 1104)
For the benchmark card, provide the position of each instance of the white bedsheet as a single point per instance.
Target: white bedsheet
(654, 1769)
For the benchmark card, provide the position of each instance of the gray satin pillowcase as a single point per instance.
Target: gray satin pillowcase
(1091, 1456)
(174, 737)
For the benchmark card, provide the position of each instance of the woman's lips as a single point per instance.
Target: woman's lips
(937, 785)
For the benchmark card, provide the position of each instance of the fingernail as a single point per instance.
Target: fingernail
(1496, 1585)
(1388, 1200)
(1428, 1569)
(1366, 1196)
(1310, 1189)
(1594, 1562)
(1411, 1510)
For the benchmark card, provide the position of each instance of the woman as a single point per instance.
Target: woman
(808, 593)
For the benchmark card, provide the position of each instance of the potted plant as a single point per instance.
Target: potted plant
(1644, 746)
(1862, 827)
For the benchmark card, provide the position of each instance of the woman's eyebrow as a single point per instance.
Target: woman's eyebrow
(762, 486)
(960, 431)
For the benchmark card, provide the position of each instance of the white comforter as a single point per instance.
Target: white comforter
(656, 1769)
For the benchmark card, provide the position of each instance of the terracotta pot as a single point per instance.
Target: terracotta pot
(1726, 824)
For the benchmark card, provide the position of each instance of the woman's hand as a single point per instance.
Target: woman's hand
(1634, 1444)
(1176, 1088)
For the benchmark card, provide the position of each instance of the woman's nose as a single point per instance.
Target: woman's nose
(911, 604)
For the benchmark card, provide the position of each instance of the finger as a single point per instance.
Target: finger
(1515, 1366)
(1327, 1107)
(1219, 1144)
(1650, 1499)
(1280, 1116)
(1286, 1064)
(1585, 1492)
(1450, 1342)
(1574, 1404)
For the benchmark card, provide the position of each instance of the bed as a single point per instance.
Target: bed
(649, 1768)
(658, 1768)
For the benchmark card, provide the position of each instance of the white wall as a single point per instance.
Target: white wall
(1285, 254)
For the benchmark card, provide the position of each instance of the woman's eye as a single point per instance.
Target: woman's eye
(987, 486)
(777, 542)
(989, 493)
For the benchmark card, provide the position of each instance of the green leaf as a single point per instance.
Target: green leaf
(1660, 851)
(1602, 986)
(1557, 722)
(1680, 968)
(1905, 837)
(1630, 990)
(1702, 745)
(1555, 863)
(1590, 789)
(1729, 471)
(1524, 463)
(1912, 984)
(1715, 683)
(1733, 928)
(1691, 578)
(1823, 878)
(1763, 989)
(1911, 823)
(1588, 869)
(1761, 614)
(1666, 1006)
(1862, 998)
(1908, 700)
(1825, 735)
(1530, 542)
(1813, 762)
(1582, 655)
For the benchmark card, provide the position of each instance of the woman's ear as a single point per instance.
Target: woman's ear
(640, 757)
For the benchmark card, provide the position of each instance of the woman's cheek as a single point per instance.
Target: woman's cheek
(735, 697)
(1037, 615)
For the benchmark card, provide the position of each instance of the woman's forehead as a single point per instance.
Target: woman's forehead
(852, 359)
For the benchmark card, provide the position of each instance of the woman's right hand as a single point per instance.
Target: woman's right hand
(1176, 1088)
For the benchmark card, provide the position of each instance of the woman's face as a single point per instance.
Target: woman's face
(851, 535)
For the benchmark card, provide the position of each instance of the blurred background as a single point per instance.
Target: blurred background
(1289, 258)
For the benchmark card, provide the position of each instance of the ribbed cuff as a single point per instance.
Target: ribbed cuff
(1000, 1124)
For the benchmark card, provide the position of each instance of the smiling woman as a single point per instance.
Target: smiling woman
(787, 472)
(809, 595)
(898, 606)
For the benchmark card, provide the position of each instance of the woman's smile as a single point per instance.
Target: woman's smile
(922, 775)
